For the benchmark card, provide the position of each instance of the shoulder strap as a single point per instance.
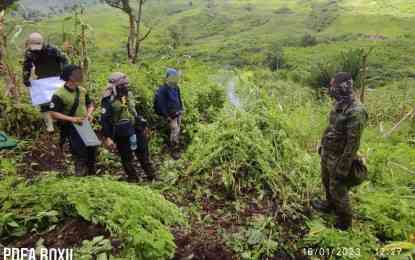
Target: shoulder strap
(75, 103)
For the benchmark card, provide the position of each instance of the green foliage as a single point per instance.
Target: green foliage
(274, 59)
(252, 148)
(21, 119)
(98, 248)
(393, 217)
(391, 102)
(266, 146)
(258, 240)
(348, 61)
(137, 215)
(235, 147)
(323, 14)
(355, 244)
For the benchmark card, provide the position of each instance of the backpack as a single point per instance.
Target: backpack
(6, 142)
(158, 102)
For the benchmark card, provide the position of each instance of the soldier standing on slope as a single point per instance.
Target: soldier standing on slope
(339, 146)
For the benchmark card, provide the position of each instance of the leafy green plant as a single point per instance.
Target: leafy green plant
(137, 215)
(355, 244)
(19, 119)
(98, 248)
(258, 240)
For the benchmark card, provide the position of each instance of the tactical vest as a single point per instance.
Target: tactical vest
(68, 98)
(122, 111)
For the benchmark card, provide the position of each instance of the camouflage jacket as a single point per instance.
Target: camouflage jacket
(341, 139)
(48, 62)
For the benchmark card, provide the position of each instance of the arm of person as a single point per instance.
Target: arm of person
(63, 117)
(355, 125)
(56, 111)
(106, 122)
(90, 107)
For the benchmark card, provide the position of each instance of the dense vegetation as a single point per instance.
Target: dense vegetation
(254, 73)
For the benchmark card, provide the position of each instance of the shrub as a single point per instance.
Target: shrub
(252, 148)
(137, 215)
(347, 61)
(274, 59)
(308, 40)
(21, 120)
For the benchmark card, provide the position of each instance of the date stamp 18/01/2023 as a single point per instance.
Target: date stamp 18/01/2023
(349, 252)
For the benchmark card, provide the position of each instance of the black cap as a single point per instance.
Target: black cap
(342, 77)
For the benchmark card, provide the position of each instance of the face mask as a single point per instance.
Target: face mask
(122, 90)
(342, 92)
(173, 80)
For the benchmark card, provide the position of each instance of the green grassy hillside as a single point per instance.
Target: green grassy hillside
(244, 32)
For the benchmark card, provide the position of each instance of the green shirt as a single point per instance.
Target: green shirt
(64, 98)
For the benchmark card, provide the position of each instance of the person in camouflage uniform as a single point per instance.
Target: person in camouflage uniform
(338, 150)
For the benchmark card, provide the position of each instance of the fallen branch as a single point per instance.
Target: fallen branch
(402, 167)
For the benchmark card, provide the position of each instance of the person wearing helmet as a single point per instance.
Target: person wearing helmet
(123, 128)
(71, 104)
(42, 61)
(338, 151)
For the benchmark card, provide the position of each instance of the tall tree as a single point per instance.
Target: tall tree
(134, 10)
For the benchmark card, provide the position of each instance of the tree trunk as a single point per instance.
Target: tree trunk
(84, 51)
(138, 31)
(132, 38)
(5, 68)
(363, 79)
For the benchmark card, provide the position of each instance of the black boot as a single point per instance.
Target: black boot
(147, 166)
(322, 205)
(175, 151)
(343, 222)
(130, 171)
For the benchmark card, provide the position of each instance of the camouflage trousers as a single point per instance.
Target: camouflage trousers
(337, 192)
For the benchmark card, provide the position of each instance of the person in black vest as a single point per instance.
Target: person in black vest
(123, 128)
(45, 61)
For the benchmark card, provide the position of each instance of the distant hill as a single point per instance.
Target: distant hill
(33, 9)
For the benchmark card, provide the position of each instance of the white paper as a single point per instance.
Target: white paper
(42, 90)
(87, 134)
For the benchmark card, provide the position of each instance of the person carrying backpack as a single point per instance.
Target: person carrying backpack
(168, 104)
(71, 104)
(123, 128)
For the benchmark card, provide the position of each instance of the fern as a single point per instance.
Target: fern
(137, 215)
